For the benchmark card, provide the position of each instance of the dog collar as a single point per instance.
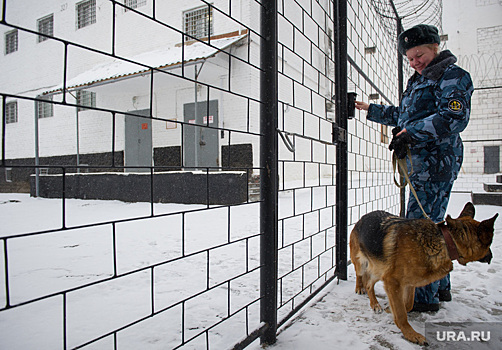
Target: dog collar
(450, 245)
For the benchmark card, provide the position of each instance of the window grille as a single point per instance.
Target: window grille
(85, 99)
(45, 26)
(133, 4)
(11, 41)
(86, 13)
(11, 112)
(45, 109)
(198, 23)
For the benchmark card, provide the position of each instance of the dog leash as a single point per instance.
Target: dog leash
(402, 168)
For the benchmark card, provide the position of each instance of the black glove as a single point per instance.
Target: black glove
(399, 143)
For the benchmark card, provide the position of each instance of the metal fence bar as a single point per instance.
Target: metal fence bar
(340, 35)
(269, 174)
(400, 87)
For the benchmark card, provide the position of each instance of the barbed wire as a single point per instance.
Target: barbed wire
(484, 68)
(411, 12)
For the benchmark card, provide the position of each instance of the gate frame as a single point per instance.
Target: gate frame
(269, 163)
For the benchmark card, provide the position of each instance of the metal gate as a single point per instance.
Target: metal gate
(274, 75)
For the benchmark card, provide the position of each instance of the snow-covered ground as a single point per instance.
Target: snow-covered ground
(46, 264)
(74, 271)
(341, 319)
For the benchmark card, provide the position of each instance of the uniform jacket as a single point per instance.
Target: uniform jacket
(434, 109)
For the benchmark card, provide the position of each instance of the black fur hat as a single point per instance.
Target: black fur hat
(418, 35)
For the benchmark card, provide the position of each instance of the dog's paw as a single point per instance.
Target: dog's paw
(416, 338)
(360, 290)
(388, 310)
(377, 308)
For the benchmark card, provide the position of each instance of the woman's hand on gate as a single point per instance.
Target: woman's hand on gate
(360, 105)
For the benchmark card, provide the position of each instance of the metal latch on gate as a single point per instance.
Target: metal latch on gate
(339, 134)
(351, 105)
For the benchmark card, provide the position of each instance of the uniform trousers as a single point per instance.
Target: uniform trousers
(434, 197)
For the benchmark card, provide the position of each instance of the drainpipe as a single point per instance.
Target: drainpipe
(196, 133)
(77, 131)
(37, 157)
(78, 137)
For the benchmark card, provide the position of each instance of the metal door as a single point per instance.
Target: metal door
(492, 159)
(138, 141)
(200, 143)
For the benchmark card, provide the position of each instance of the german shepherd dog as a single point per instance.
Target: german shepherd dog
(409, 253)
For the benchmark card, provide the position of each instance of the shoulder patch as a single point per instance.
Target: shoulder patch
(455, 106)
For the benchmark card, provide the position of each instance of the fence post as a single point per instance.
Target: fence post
(400, 77)
(268, 172)
(340, 132)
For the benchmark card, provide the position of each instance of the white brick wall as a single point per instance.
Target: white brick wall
(475, 37)
(484, 129)
(488, 38)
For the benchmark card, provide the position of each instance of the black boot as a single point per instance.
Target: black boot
(444, 295)
(420, 307)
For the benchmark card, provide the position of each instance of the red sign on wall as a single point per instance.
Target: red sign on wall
(144, 126)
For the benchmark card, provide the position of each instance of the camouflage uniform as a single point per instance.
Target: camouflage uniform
(434, 109)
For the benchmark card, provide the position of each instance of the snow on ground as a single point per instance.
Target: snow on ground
(338, 318)
(341, 319)
(125, 240)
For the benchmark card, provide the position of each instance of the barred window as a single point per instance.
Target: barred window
(11, 112)
(134, 4)
(11, 41)
(86, 13)
(45, 26)
(45, 109)
(85, 99)
(199, 22)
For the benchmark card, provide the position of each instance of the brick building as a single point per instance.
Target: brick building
(138, 66)
(475, 36)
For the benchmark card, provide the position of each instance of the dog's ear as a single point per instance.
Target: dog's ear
(485, 232)
(468, 210)
(453, 224)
